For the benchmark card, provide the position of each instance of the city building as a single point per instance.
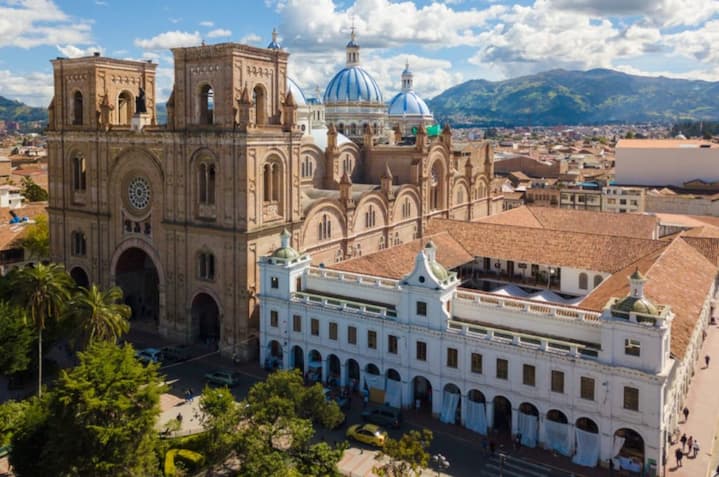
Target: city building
(623, 199)
(178, 214)
(581, 199)
(579, 341)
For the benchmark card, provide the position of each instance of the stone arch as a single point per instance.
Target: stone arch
(632, 445)
(121, 165)
(78, 108)
(451, 404)
(80, 276)
(482, 186)
(125, 107)
(317, 162)
(406, 193)
(205, 166)
(502, 419)
(587, 424)
(555, 415)
(314, 216)
(437, 176)
(460, 192)
(371, 368)
(393, 374)
(206, 103)
(148, 294)
(206, 317)
(314, 366)
(379, 207)
(298, 358)
(475, 395)
(273, 181)
(353, 371)
(260, 100)
(422, 393)
(334, 369)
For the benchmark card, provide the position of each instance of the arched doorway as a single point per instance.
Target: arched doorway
(353, 373)
(502, 421)
(476, 417)
(314, 367)
(555, 415)
(298, 358)
(125, 108)
(528, 424)
(628, 448)
(205, 319)
(393, 374)
(422, 389)
(557, 432)
(451, 412)
(333, 364)
(274, 357)
(587, 442)
(136, 275)
(80, 277)
(393, 388)
(372, 369)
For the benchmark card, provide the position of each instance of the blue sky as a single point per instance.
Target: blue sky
(446, 42)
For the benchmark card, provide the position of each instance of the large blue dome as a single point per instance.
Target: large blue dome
(407, 103)
(297, 93)
(352, 85)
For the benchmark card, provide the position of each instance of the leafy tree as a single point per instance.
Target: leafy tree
(101, 315)
(276, 432)
(43, 291)
(16, 338)
(12, 414)
(36, 239)
(406, 456)
(99, 421)
(33, 192)
(221, 417)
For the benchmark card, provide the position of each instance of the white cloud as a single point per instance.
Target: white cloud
(250, 39)
(207, 24)
(31, 23)
(35, 89)
(169, 39)
(219, 33)
(72, 51)
(660, 12)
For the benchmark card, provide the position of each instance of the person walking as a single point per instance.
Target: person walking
(690, 444)
(685, 411)
(679, 454)
(706, 360)
(695, 448)
(683, 440)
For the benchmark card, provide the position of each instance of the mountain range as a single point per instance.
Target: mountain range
(561, 97)
(16, 111)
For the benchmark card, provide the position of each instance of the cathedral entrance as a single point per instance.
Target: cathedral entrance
(80, 277)
(136, 275)
(205, 319)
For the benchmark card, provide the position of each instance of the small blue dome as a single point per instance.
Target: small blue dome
(297, 93)
(352, 84)
(408, 103)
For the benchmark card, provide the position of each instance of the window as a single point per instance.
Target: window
(406, 209)
(476, 363)
(631, 398)
(124, 108)
(422, 308)
(325, 228)
(528, 372)
(207, 176)
(452, 358)
(558, 382)
(370, 217)
(436, 187)
(79, 173)
(597, 280)
(297, 323)
(307, 167)
(502, 369)
(421, 351)
(583, 281)
(333, 331)
(272, 183)
(273, 319)
(586, 388)
(79, 244)
(260, 99)
(392, 344)
(460, 196)
(315, 327)
(274, 282)
(352, 335)
(207, 105)
(372, 339)
(77, 109)
(206, 266)
(631, 347)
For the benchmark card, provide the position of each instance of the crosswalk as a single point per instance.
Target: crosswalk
(516, 467)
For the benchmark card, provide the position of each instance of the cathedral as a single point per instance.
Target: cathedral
(178, 214)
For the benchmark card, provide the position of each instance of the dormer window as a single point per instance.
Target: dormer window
(632, 347)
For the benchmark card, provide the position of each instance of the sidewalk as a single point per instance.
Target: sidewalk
(172, 406)
(704, 412)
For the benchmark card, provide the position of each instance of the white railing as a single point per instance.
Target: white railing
(344, 305)
(354, 278)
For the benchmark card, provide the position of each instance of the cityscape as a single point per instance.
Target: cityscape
(359, 238)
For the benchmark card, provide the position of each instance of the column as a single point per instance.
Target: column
(463, 409)
(344, 379)
(436, 401)
(515, 421)
(325, 370)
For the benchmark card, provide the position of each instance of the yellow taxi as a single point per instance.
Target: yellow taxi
(368, 434)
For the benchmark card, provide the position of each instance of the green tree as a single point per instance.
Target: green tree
(220, 417)
(33, 192)
(43, 291)
(36, 239)
(12, 414)
(275, 436)
(16, 338)
(406, 456)
(100, 315)
(98, 422)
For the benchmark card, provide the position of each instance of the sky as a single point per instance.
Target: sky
(445, 42)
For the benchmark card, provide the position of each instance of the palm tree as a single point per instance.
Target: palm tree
(43, 291)
(101, 314)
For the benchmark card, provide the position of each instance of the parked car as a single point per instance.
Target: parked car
(383, 415)
(223, 378)
(368, 434)
(173, 354)
(149, 355)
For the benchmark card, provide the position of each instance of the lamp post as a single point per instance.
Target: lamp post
(441, 462)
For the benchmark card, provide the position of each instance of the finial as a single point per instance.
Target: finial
(352, 34)
(274, 35)
(203, 42)
(406, 64)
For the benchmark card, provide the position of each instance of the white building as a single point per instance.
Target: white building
(623, 199)
(10, 197)
(603, 378)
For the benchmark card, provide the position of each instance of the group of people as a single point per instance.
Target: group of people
(689, 443)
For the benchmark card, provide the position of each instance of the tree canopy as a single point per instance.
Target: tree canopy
(406, 456)
(36, 239)
(33, 192)
(17, 338)
(100, 315)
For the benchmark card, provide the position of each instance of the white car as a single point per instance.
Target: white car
(149, 355)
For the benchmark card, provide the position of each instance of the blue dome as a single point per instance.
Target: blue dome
(297, 93)
(352, 84)
(408, 103)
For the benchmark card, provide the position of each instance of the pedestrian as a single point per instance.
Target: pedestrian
(492, 446)
(192, 394)
(683, 440)
(187, 396)
(679, 454)
(179, 417)
(690, 444)
(685, 411)
(706, 360)
(695, 447)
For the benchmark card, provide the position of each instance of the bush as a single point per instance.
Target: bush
(173, 456)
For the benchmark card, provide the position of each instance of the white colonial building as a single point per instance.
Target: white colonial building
(590, 381)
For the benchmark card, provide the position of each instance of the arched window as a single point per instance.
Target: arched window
(406, 208)
(272, 182)
(341, 128)
(436, 187)
(207, 174)
(307, 167)
(397, 241)
(125, 108)
(206, 266)
(460, 196)
(597, 280)
(79, 244)
(370, 217)
(79, 173)
(347, 165)
(325, 228)
(207, 105)
(260, 100)
(381, 243)
(583, 281)
(77, 109)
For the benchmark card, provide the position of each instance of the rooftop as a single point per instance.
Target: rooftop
(664, 144)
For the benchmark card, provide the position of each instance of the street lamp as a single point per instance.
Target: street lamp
(441, 462)
(502, 458)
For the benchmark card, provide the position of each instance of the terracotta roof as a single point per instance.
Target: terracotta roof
(397, 262)
(662, 143)
(686, 296)
(586, 221)
(603, 253)
(705, 231)
(707, 246)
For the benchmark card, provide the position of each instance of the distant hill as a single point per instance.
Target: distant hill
(598, 96)
(16, 111)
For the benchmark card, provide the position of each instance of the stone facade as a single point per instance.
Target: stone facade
(178, 214)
